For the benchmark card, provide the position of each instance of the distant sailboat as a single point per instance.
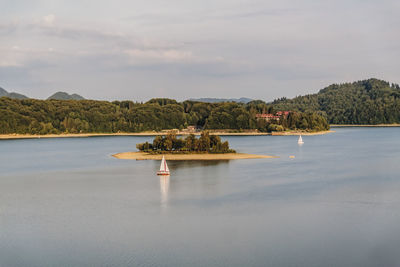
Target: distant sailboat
(163, 168)
(300, 141)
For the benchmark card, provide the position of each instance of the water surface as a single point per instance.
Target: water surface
(67, 202)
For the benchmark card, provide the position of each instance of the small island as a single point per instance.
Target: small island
(206, 147)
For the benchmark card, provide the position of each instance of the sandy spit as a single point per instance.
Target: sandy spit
(33, 136)
(301, 133)
(227, 156)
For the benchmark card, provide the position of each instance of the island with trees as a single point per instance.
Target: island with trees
(206, 147)
(169, 143)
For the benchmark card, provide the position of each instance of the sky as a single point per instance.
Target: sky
(181, 49)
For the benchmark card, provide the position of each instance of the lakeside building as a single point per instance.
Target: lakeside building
(269, 117)
(193, 129)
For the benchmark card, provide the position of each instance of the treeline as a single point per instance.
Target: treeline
(364, 102)
(30, 116)
(206, 143)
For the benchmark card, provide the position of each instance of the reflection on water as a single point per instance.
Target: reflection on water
(164, 188)
(179, 164)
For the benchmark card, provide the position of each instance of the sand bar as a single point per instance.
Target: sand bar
(199, 156)
(35, 136)
(300, 133)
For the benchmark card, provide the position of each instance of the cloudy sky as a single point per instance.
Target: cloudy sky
(125, 49)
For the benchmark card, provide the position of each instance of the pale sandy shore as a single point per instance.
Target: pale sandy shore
(227, 156)
(32, 136)
(301, 133)
(366, 125)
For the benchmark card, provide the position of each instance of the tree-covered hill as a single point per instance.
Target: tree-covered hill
(370, 101)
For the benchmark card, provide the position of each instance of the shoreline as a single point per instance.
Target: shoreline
(300, 133)
(222, 133)
(193, 156)
(366, 125)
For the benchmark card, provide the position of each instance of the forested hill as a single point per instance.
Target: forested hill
(370, 101)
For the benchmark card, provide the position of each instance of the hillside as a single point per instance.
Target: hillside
(369, 101)
(11, 95)
(65, 96)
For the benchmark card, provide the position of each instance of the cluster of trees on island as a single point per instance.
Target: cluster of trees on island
(31, 116)
(206, 143)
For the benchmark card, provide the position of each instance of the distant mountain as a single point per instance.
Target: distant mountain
(218, 100)
(65, 96)
(11, 95)
(3, 92)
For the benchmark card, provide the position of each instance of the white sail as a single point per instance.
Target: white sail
(164, 167)
(300, 141)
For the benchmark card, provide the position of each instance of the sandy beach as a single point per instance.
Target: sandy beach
(33, 136)
(301, 133)
(227, 156)
(222, 133)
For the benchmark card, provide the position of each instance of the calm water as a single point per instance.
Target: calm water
(67, 202)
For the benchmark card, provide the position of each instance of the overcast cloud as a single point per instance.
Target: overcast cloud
(183, 49)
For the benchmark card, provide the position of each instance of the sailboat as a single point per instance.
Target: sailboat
(300, 141)
(163, 167)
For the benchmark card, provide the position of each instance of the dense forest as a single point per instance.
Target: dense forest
(364, 102)
(206, 143)
(30, 116)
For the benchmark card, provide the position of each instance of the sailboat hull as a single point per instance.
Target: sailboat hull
(163, 173)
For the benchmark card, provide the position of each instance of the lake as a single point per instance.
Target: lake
(67, 202)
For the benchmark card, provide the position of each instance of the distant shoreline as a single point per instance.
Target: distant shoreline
(222, 133)
(192, 156)
(366, 125)
(300, 133)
